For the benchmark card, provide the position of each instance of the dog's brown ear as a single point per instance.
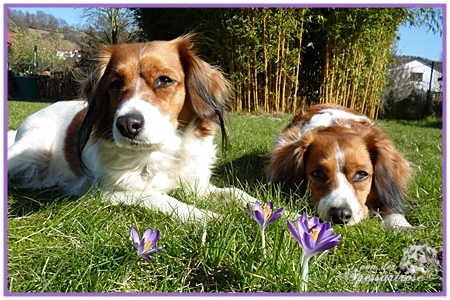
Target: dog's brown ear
(299, 115)
(391, 174)
(286, 165)
(90, 86)
(207, 91)
(94, 92)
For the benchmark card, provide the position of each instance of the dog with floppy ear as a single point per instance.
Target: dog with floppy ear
(350, 166)
(146, 127)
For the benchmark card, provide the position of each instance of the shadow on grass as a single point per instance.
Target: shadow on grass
(247, 170)
(23, 202)
(426, 123)
(247, 173)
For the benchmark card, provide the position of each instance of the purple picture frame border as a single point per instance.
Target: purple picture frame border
(6, 6)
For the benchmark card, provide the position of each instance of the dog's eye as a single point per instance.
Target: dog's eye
(163, 81)
(318, 175)
(115, 86)
(360, 176)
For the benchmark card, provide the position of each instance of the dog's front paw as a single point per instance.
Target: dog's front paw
(397, 222)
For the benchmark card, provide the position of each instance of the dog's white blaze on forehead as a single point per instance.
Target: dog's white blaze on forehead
(138, 85)
(136, 104)
(329, 117)
(142, 51)
(344, 195)
(340, 157)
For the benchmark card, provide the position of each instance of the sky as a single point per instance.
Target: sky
(420, 42)
(413, 41)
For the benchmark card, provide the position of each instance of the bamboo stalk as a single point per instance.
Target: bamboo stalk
(266, 61)
(282, 75)
(278, 62)
(298, 63)
(249, 90)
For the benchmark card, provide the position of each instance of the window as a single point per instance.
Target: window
(414, 76)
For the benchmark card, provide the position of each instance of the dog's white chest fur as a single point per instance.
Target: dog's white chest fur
(188, 162)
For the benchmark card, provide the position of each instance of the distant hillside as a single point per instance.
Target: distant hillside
(69, 40)
(46, 25)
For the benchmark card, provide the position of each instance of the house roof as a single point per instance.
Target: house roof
(402, 60)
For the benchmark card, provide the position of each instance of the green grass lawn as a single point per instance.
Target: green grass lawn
(82, 245)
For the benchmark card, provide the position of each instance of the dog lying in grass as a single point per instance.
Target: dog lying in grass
(145, 127)
(345, 161)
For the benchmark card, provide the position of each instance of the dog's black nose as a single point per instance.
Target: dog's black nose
(340, 215)
(130, 125)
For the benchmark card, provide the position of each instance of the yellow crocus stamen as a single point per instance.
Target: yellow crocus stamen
(267, 212)
(147, 245)
(315, 234)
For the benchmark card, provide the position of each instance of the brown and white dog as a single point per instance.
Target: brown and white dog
(348, 165)
(146, 129)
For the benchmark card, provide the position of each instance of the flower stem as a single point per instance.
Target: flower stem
(263, 239)
(205, 225)
(304, 279)
(127, 273)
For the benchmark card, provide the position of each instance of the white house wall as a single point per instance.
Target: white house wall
(416, 66)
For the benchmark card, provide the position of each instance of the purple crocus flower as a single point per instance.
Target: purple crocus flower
(314, 237)
(264, 215)
(145, 245)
